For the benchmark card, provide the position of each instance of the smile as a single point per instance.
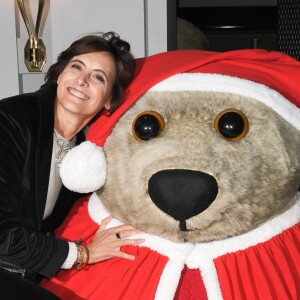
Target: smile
(78, 94)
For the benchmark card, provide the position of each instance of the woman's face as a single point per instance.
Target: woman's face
(85, 85)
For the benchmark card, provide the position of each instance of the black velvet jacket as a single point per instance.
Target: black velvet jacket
(26, 140)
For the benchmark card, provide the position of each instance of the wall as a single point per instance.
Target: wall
(141, 22)
(9, 81)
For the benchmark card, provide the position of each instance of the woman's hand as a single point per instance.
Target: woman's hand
(107, 242)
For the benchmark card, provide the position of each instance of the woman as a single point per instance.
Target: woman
(36, 131)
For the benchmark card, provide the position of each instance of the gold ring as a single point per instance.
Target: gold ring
(118, 236)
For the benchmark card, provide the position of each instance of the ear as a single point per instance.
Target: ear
(58, 79)
(107, 105)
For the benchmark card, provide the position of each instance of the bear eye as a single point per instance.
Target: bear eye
(232, 124)
(147, 125)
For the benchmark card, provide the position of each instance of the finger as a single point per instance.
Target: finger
(105, 222)
(126, 233)
(125, 255)
(128, 242)
(125, 227)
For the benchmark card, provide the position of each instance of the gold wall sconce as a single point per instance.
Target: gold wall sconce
(35, 50)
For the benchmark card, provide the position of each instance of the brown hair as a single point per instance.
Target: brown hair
(104, 42)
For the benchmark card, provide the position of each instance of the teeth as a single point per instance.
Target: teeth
(78, 94)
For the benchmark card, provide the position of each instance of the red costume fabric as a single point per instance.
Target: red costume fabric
(267, 269)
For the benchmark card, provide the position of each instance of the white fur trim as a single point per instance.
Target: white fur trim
(83, 169)
(200, 255)
(229, 84)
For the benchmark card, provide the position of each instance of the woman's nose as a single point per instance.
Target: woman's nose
(82, 80)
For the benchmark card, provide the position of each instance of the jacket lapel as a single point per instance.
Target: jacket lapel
(46, 97)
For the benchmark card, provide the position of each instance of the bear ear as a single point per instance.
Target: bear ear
(83, 169)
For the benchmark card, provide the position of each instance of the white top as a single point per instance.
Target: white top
(59, 150)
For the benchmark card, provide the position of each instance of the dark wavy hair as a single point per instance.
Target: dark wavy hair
(102, 42)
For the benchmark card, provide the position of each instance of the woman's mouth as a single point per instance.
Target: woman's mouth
(78, 94)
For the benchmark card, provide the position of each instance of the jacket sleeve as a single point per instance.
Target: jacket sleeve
(22, 245)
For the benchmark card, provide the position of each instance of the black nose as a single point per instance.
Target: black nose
(182, 194)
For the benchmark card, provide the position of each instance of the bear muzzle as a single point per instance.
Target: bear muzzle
(182, 193)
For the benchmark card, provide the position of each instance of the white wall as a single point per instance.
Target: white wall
(9, 82)
(156, 26)
(141, 22)
(77, 17)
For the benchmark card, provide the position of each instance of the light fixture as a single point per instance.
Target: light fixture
(35, 50)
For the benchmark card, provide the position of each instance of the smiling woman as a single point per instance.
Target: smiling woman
(84, 88)
(36, 131)
(90, 71)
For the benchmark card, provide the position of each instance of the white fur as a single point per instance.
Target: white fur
(229, 84)
(200, 255)
(83, 169)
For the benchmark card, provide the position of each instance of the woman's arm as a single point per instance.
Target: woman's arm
(21, 243)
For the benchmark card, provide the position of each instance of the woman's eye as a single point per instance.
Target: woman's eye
(232, 124)
(147, 125)
(76, 67)
(99, 78)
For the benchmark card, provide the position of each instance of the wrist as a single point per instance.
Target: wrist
(82, 256)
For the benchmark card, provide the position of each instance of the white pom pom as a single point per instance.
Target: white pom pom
(83, 169)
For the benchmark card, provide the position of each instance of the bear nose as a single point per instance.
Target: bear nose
(182, 194)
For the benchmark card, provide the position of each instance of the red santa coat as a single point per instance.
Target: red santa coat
(261, 264)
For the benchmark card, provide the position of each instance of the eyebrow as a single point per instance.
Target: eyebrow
(97, 70)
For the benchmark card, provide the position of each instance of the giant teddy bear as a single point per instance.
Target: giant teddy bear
(203, 157)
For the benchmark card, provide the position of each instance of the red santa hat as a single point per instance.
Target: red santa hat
(270, 77)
